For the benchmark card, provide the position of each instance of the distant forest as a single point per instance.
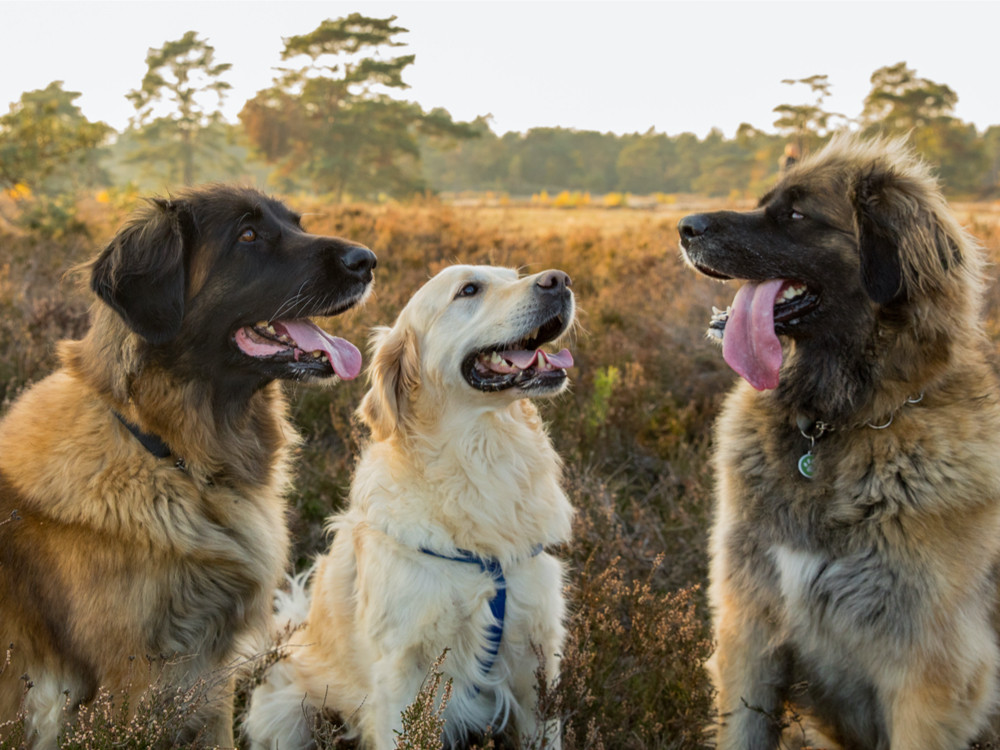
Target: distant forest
(333, 123)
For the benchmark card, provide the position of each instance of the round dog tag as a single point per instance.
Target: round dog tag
(806, 467)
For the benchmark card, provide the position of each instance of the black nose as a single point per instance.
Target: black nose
(692, 226)
(359, 260)
(554, 281)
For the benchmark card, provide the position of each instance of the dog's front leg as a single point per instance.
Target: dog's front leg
(397, 679)
(749, 678)
(536, 731)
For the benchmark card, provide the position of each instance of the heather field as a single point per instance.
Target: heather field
(634, 430)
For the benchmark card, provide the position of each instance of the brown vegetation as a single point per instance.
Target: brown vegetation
(634, 430)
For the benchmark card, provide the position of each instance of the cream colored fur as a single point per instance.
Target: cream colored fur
(450, 467)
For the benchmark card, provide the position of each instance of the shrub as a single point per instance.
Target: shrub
(634, 431)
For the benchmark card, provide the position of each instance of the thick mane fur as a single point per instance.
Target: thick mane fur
(890, 197)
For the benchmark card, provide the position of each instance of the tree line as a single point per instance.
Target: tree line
(332, 123)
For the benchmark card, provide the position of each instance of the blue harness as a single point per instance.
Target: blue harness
(498, 604)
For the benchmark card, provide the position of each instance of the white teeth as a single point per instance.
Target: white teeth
(496, 358)
(792, 292)
(718, 314)
(534, 334)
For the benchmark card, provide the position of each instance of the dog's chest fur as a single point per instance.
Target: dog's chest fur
(847, 562)
(194, 561)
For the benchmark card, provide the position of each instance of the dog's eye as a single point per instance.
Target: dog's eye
(248, 235)
(469, 290)
(796, 215)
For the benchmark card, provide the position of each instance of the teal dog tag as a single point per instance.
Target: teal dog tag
(806, 466)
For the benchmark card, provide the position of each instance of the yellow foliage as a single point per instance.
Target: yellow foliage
(566, 199)
(615, 200)
(103, 197)
(563, 200)
(19, 192)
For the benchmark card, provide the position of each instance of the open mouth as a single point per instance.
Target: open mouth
(792, 303)
(749, 328)
(520, 363)
(301, 345)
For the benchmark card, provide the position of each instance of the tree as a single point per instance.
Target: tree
(331, 119)
(900, 101)
(641, 165)
(175, 126)
(806, 124)
(991, 151)
(45, 141)
(479, 163)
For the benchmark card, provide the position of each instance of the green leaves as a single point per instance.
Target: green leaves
(332, 120)
(172, 115)
(344, 35)
(44, 136)
(901, 100)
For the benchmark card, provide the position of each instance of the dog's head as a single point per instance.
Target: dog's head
(221, 280)
(470, 334)
(855, 238)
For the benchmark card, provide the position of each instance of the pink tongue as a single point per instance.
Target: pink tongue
(344, 356)
(749, 345)
(522, 359)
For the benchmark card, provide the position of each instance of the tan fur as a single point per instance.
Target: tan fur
(449, 468)
(122, 569)
(863, 597)
(110, 530)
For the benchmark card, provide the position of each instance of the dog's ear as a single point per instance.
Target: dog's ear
(393, 375)
(901, 238)
(140, 274)
(881, 269)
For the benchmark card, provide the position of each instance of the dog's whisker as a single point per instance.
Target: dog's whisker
(286, 307)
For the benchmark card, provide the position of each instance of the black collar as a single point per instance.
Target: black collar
(153, 443)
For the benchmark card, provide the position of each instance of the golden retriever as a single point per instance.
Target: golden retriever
(443, 543)
(144, 481)
(856, 543)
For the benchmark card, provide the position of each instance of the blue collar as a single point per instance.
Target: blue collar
(498, 604)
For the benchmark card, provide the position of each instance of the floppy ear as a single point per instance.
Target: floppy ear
(902, 239)
(140, 274)
(393, 375)
(878, 228)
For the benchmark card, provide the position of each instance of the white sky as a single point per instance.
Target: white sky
(610, 65)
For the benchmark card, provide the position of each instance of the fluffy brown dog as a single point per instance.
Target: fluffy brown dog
(857, 533)
(145, 478)
(451, 508)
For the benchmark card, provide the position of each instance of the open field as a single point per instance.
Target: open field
(635, 429)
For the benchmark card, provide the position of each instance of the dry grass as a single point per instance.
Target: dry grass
(635, 431)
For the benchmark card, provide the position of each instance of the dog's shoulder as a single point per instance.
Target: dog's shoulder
(49, 427)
